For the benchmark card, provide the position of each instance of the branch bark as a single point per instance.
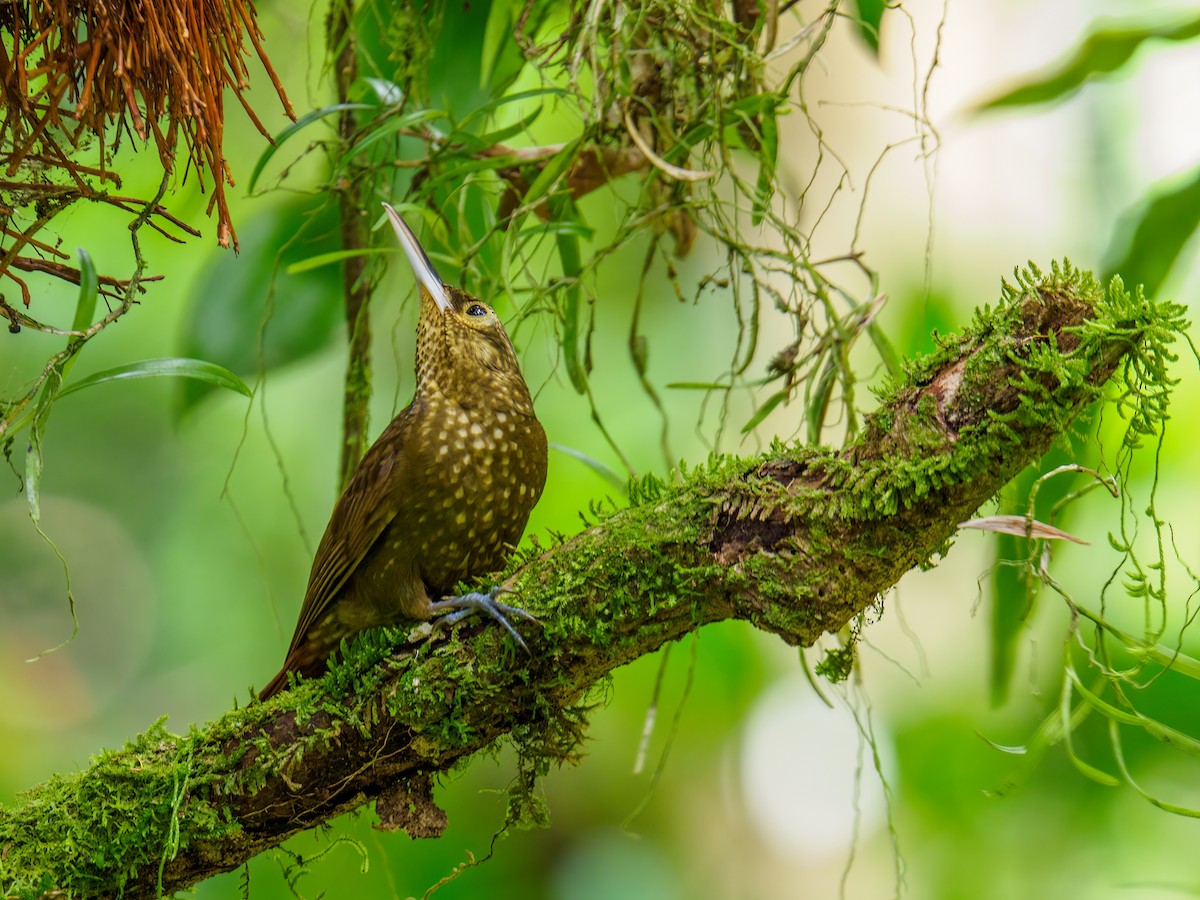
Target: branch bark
(798, 542)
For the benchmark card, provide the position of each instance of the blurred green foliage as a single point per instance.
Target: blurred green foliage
(249, 313)
(1106, 49)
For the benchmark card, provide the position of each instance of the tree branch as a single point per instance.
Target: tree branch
(798, 542)
(356, 284)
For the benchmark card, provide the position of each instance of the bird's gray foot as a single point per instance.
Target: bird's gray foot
(475, 602)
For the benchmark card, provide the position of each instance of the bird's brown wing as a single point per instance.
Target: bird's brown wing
(361, 514)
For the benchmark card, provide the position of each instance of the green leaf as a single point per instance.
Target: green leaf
(697, 386)
(1101, 53)
(89, 287)
(52, 389)
(768, 153)
(328, 259)
(297, 126)
(567, 241)
(616, 480)
(557, 227)
(886, 349)
(390, 126)
(755, 105)
(85, 309)
(765, 410)
(1148, 240)
(472, 143)
(818, 404)
(555, 168)
(174, 367)
(496, 35)
(870, 16)
(453, 176)
(571, 257)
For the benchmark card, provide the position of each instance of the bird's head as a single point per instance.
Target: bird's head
(462, 348)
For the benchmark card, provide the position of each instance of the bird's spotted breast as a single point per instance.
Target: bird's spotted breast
(472, 498)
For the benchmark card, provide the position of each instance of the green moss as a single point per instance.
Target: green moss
(837, 664)
(91, 835)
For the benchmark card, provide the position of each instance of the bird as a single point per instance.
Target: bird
(441, 497)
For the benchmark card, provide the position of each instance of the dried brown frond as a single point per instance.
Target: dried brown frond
(78, 76)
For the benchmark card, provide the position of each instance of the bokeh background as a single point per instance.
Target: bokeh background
(189, 535)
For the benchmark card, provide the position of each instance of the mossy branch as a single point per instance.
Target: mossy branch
(798, 541)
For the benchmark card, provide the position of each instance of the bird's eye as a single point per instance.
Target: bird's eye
(476, 309)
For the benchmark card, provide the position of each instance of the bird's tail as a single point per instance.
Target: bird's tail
(276, 684)
(301, 660)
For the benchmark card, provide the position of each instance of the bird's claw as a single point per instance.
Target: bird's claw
(475, 602)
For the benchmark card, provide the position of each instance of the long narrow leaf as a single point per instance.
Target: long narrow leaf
(496, 33)
(554, 169)
(165, 368)
(765, 188)
(85, 308)
(1101, 53)
(89, 286)
(818, 404)
(571, 258)
(328, 259)
(472, 143)
(389, 127)
(886, 350)
(481, 113)
(698, 386)
(765, 410)
(618, 481)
